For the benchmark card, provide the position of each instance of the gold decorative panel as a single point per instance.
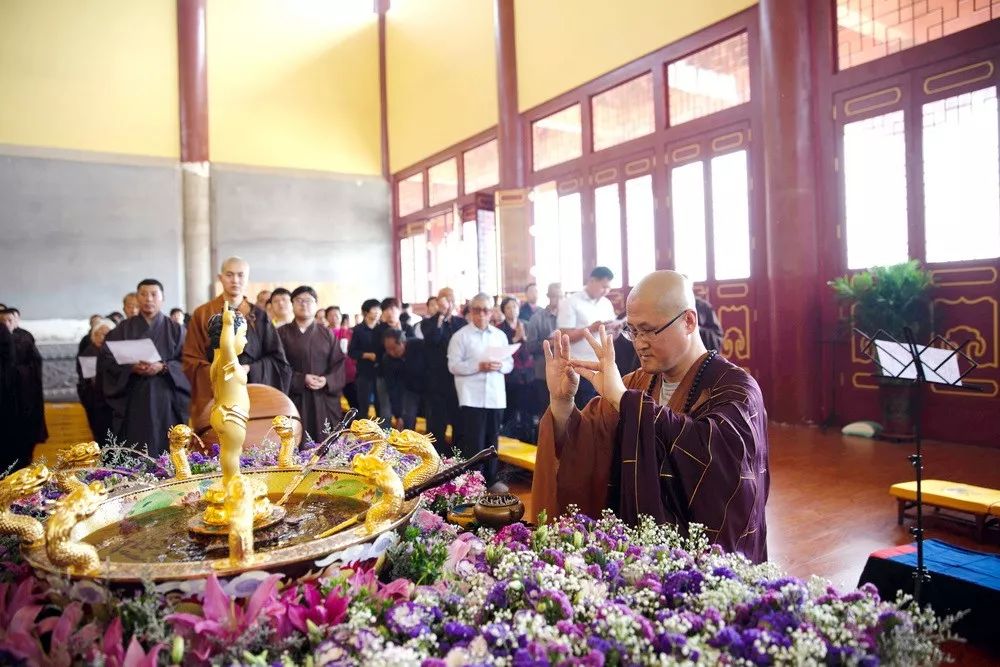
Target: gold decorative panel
(735, 323)
(964, 277)
(961, 76)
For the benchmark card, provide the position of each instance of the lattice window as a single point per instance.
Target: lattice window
(687, 188)
(623, 113)
(413, 267)
(875, 191)
(482, 167)
(640, 227)
(731, 215)
(607, 218)
(410, 194)
(557, 138)
(871, 29)
(442, 182)
(558, 237)
(961, 161)
(710, 80)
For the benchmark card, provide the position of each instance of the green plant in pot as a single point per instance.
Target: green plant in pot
(891, 298)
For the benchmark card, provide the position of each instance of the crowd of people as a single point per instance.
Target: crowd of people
(456, 365)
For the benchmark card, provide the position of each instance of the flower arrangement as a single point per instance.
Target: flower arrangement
(577, 591)
(465, 488)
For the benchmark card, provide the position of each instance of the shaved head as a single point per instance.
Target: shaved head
(662, 313)
(666, 291)
(234, 274)
(234, 262)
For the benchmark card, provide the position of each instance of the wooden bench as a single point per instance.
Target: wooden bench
(517, 453)
(982, 503)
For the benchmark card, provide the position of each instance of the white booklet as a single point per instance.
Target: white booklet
(500, 352)
(129, 352)
(88, 367)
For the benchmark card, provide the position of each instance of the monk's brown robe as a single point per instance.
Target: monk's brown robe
(708, 465)
(263, 353)
(314, 351)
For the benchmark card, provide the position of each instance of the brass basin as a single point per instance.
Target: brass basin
(343, 492)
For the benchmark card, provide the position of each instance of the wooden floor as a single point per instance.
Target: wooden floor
(829, 505)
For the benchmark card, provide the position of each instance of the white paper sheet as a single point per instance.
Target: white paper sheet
(894, 357)
(88, 367)
(500, 352)
(128, 352)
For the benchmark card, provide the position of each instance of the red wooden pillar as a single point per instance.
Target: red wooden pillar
(509, 144)
(513, 212)
(192, 76)
(192, 72)
(790, 185)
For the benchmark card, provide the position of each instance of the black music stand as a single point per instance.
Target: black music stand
(936, 363)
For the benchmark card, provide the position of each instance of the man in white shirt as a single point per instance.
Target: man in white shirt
(584, 310)
(479, 382)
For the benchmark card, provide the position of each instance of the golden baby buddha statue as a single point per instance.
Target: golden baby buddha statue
(230, 414)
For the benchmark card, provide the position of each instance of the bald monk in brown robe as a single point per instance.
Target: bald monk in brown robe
(682, 439)
(263, 357)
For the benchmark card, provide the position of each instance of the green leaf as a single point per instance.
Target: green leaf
(345, 487)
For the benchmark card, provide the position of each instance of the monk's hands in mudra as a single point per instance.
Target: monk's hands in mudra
(603, 373)
(561, 379)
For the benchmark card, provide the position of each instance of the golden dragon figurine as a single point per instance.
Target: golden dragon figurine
(20, 484)
(71, 459)
(76, 557)
(179, 437)
(421, 446)
(285, 429)
(370, 430)
(389, 498)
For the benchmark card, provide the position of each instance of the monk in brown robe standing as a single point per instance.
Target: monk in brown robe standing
(263, 358)
(682, 439)
(317, 365)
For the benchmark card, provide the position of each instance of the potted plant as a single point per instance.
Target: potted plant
(890, 298)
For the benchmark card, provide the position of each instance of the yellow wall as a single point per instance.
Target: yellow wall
(294, 84)
(98, 75)
(441, 75)
(562, 44)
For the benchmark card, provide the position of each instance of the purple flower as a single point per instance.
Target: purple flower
(554, 557)
(723, 572)
(553, 605)
(677, 585)
(458, 634)
(409, 619)
(515, 536)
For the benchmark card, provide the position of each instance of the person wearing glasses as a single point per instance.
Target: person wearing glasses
(585, 311)
(682, 439)
(317, 362)
(478, 357)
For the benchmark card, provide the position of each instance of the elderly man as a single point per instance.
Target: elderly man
(479, 382)
(263, 357)
(683, 439)
(148, 397)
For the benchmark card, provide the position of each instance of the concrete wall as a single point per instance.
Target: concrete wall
(79, 233)
(299, 227)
